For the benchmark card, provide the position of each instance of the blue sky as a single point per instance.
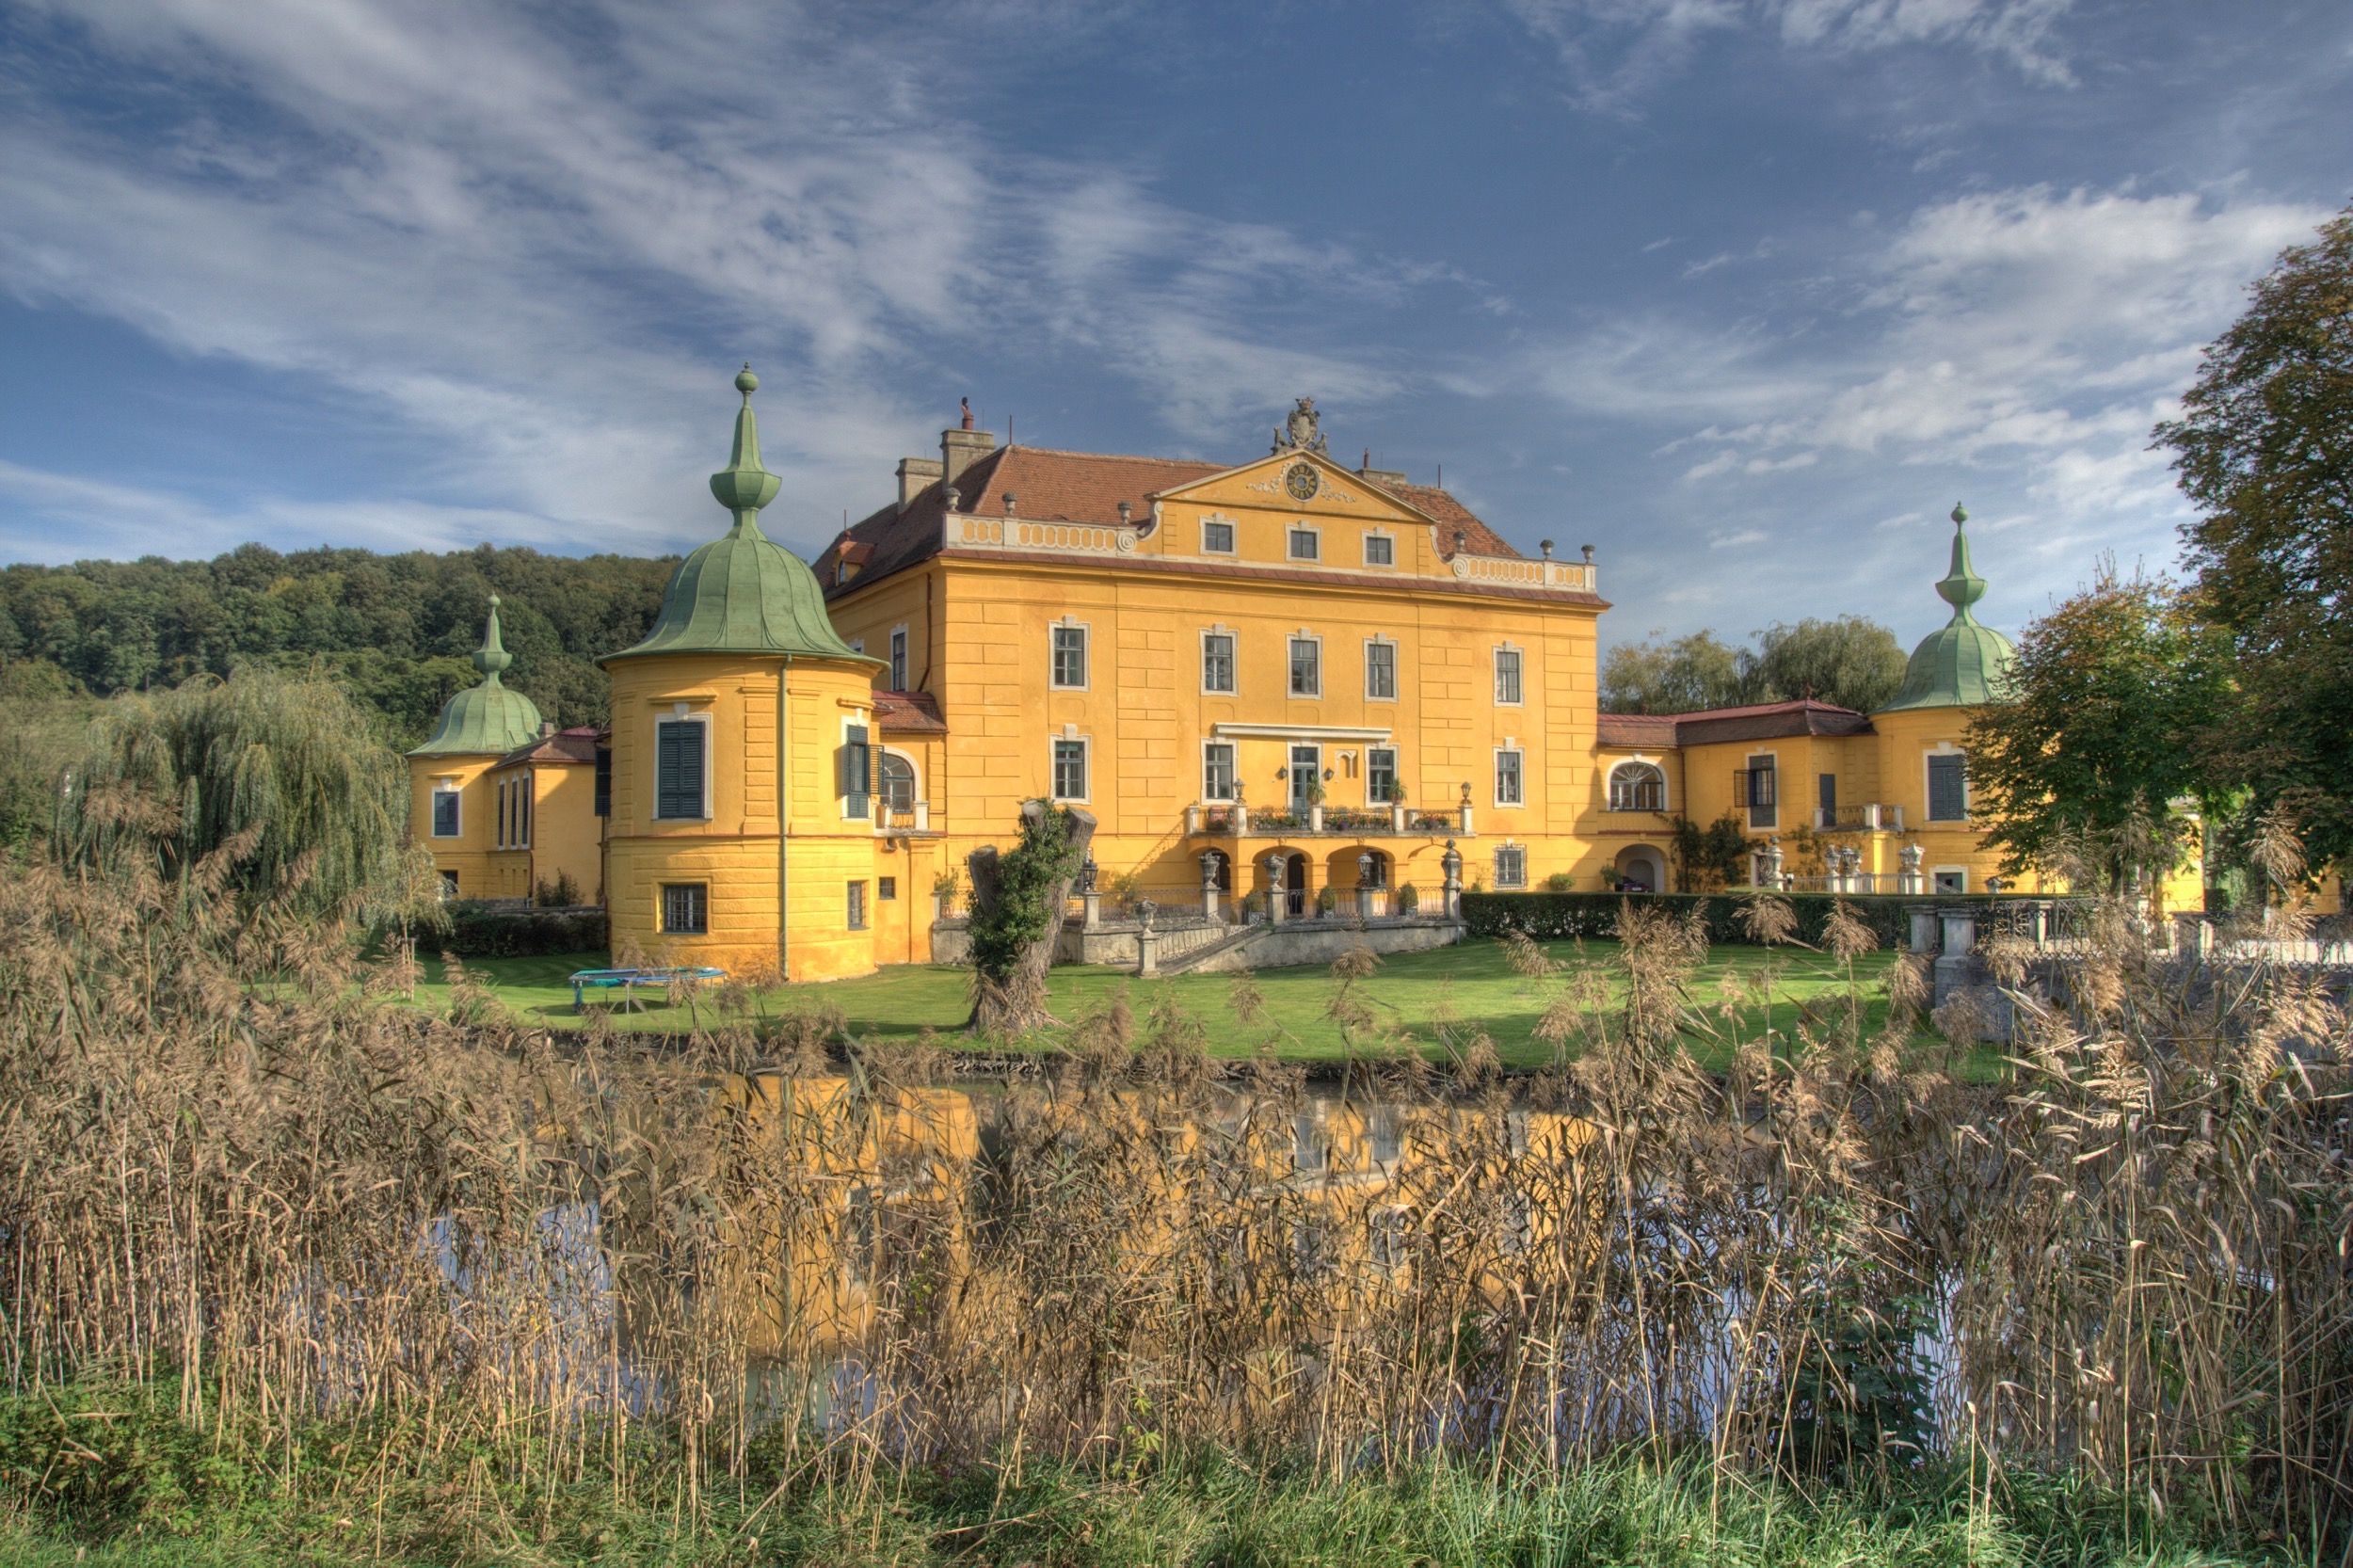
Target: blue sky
(1744, 293)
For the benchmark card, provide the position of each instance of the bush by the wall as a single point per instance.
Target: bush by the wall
(1555, 916)
(478, 929)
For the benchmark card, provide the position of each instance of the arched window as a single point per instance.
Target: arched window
(1638, 787)
(898, 782)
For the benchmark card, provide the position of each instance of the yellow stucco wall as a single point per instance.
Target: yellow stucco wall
(468, 855)
(1145, 716)
(759, 880)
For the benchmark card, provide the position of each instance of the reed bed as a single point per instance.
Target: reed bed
(237, 1176)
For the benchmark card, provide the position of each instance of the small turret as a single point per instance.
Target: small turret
(484, 719)
(1962, 664)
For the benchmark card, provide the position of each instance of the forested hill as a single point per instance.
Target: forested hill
(397, 629)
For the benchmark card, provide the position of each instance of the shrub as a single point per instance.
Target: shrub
(1559, 917)
(480, 930)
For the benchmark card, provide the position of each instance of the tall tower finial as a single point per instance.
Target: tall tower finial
(743, 486)
(1961, 586)
(492, 657)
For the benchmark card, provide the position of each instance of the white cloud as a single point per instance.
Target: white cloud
(1616, 50)
(459, 214)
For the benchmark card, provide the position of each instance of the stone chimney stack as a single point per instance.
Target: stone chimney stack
(915, 473)
(961, 447)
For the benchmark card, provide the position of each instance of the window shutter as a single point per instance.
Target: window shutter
(679, 769)
(1948, 791)
(856, 770)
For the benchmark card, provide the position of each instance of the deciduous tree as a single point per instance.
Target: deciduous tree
(2265, 449)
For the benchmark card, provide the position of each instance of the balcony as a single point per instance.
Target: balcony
(1875, 817)
(902, 819)
(1234, 820)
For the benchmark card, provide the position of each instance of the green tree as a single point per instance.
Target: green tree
(1712, 857)
(282, 772)
(1851, 661)
(2265, 450)
(2095, 759)
(1679, 676)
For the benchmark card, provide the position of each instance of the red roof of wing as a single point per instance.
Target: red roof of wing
(566, 745)
(909, 713)
(1755, 721)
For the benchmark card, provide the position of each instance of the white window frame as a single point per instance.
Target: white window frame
(1086, 765)
(859, 719)
(1386, 537)
(1233, 662)
(1495, 865)
(1390, 643)
(1609, 785)
(433, 811)
(1748, 813)
(1292, 533)
(1519, 674)
(1086, 655)
(914, 772)
(1960, 871)
(898, 658)
(1928, 783)
(1519, 775)
(1290, 645)
(1397, 773)
(1233, 533)
(654, 805)
(1233, 770)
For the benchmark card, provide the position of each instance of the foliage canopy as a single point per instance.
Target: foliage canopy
(2265, 450)
(1850, 662)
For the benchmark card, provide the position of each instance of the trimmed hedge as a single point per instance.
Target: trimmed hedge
(478, 929)
(1555, 916)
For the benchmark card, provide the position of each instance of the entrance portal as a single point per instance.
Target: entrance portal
(1641, 870)
(1295, 886)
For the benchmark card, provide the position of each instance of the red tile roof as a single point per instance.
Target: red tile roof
(1071, 486)
(909, 713)
(577, 745)
(1756, 721)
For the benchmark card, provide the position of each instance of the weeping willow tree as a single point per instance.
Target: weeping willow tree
(282, 769)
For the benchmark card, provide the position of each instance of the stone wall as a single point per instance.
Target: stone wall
(1318, 941)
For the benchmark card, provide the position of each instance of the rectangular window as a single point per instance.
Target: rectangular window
(1070, 657)
(1217, 771)
(1758, 791)
(857, 905)
(523, 811)
(1070, 770)
(604, 781)
(886, 889)
(1511, 866)
(678, 748)
(1381, 672)
(445, 817)
(1217, 538)
(1305, 545)
(1217, 662)
(1306, 777)
(1380, 550)
(1380, 775)
(857, 771)
(1948, 788)
(1507, 675)
(1826, 792)
(1306, 667)
(685, 907)
(449, 885)
(1951, 882)
(898, 661)
(1507, 789)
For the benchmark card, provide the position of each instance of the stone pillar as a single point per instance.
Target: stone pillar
(1466, 810)
(1397, 816)
(1452, 863)
(1364, 886)
(1147, 940)
(1960, 931)
(1315, 816)
(1274, 900)
(1923, 929)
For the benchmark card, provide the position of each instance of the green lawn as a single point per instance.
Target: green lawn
(1472, 983)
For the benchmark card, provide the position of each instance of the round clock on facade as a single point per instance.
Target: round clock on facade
(1302, 481)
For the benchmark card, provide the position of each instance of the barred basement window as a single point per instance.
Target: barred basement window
(886, 889)
(1511, 866)
(685, 908)
(857, 905)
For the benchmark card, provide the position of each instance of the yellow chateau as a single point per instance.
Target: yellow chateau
(1278, 686)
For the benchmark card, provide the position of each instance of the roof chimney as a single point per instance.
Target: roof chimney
(963, 446)
(915, 475)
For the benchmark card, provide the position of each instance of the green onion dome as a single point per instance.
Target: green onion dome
(1962, 664)
(743, 593)
(488, 719)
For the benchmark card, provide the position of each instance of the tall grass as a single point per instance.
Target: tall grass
(232, 1171)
